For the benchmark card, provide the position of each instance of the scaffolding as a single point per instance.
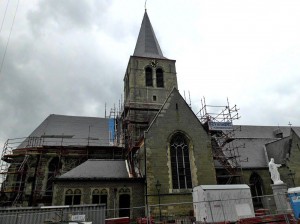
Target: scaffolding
(218, 121)
(14, 167)
(23, 162)
(135, 119)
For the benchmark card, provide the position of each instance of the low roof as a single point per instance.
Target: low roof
(57, 130)
(98, 169)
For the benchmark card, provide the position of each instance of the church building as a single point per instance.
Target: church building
(154, 151)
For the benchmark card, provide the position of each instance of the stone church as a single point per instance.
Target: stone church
(154, 151)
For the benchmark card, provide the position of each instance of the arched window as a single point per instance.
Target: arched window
(159, 77)
(53, 170)
(21, 177)
(180, 162)
(124, 202)
(256, 187)
(73, 197)
(99, 197)
(149, 80)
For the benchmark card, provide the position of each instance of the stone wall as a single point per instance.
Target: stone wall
(114, 189)
(135, 84)
(293, 162)
(176, 116)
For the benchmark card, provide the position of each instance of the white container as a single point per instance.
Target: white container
(217, 203)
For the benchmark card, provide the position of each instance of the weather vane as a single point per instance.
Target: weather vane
(145, 5)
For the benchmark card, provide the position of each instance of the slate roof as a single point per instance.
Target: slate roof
(257, 144)
(296, 130)
(64, 130)
(251, 131)
(279, 150)
(252, 152)
(98, 169)
(147, 44)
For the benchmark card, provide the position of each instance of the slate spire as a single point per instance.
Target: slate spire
(147, 44)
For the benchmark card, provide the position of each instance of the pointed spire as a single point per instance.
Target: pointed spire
(147, 44)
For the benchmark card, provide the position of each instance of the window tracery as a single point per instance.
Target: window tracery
(180, 162)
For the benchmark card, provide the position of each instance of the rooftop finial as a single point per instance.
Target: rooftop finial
(145, 5)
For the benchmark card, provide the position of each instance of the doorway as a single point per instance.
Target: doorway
(124, 205)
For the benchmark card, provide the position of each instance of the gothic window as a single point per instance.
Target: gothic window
(149, 80)
(124, 202)
(99, 197)
(21, 177)
(53, 170)
(159, 77)
(73, 197)
(180, 162)
(256, 187)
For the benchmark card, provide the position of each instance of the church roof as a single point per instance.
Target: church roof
(147, 44)
(98, 169)
(257, 144)
(279, 150)
(255, 131)
(296, 131)
(63, 130)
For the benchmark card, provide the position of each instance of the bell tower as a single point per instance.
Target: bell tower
(149, 78)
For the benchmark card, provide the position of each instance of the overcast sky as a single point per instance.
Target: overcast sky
(69, 56)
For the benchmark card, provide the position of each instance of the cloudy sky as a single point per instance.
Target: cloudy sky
(69, 56)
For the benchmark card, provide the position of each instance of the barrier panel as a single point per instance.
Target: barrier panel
(89, 214)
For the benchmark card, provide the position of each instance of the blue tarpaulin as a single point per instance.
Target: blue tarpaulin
(294, 196)
(111, 128)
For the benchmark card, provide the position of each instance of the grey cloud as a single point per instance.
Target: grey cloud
(66, 15)
(54, 73)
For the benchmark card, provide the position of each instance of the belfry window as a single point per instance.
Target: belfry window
(159, 77)
(180, 162)
(149, 80)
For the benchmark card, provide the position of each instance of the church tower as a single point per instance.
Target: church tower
(148, 80)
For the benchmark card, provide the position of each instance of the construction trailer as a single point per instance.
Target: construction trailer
(220, 203)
